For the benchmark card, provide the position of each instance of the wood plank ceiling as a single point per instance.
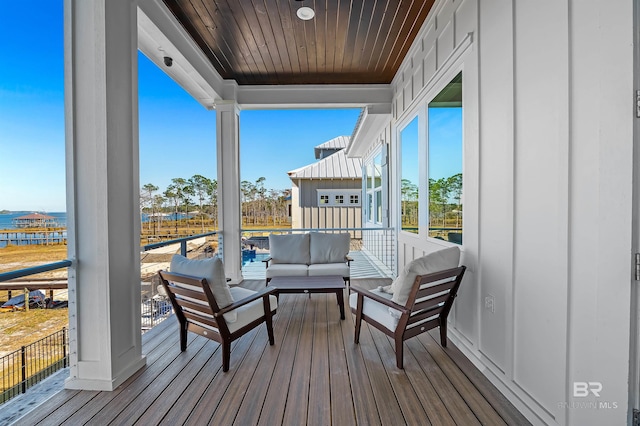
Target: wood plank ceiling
(263, 42)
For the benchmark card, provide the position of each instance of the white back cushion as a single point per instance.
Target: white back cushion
(329, 248)
(292, 248)
(433, 262)
(212, 269)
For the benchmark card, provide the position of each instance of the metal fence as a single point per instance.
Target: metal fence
(23, 368)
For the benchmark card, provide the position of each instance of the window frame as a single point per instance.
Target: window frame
(375, 195)
(333, 196)
(421, 111)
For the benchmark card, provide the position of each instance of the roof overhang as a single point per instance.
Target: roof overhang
(372, 120)
(160, 35)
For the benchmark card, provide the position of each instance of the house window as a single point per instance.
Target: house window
(338, 197)
(409, 206)
(374, 188)
(431, 167)
(445, 162)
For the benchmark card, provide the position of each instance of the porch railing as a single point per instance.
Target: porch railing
(23, 368)
(373, 250)
(155, 306)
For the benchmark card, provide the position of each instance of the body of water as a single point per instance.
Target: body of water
(6, 220)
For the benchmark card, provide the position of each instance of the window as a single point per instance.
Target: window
(445, 162)
(431, 167)
(410, 177)
(374, 188)
(338, 197)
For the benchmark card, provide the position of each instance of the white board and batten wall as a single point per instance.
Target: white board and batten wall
(547, 165)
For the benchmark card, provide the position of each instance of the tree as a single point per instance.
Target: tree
(248, 190)
(212, 194)
(409, 195)
(439, 191)
(260, 193)
(158, 201)
(148, 190)
(183, 191)
(200, 186)
(455, 185)
(171, 194)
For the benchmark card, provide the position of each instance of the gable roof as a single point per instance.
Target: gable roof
(334, 144)
(335, 166)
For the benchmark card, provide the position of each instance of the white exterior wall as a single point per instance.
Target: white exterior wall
(548, 137)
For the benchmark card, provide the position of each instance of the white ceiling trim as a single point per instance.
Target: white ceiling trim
(160, 35)
(313, 96)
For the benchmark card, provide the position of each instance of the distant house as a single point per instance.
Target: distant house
(327, 193)
(36, 220)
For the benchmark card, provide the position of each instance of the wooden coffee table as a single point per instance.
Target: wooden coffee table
(316, 284)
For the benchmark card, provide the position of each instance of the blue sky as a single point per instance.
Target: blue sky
(177, 135)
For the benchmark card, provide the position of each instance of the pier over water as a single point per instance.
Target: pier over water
(21, 237)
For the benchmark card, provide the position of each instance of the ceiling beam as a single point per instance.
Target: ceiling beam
(313, 96)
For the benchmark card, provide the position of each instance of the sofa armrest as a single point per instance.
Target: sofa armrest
(348, 259)
(266, 261)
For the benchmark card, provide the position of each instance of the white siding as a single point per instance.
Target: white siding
(548, 195)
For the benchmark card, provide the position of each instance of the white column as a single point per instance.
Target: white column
(101, 110)
(228, 154)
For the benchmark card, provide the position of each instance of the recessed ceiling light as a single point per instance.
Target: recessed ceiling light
(305, 13)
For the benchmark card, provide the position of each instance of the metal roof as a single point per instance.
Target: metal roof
(334, 144)
(335, 166)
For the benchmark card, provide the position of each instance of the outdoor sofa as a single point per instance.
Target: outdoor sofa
(309, 254)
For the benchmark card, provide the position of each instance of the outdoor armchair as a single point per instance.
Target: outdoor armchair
(204, 304)
(418, 303)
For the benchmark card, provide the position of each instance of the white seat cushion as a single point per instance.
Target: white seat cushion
(249, 312)
(329, 269)
(286, 270)
(383, 314)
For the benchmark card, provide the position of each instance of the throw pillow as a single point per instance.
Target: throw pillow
(433, 262)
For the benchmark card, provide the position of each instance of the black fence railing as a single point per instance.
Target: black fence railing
(23, 368)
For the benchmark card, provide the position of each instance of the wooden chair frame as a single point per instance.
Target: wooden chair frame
(424, 302)
(206, 318)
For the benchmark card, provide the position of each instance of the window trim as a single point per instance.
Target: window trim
(333, 195)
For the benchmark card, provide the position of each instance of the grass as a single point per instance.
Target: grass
(21, 328)
(18, 257)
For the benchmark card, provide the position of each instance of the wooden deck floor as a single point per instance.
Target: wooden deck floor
(313, 375)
